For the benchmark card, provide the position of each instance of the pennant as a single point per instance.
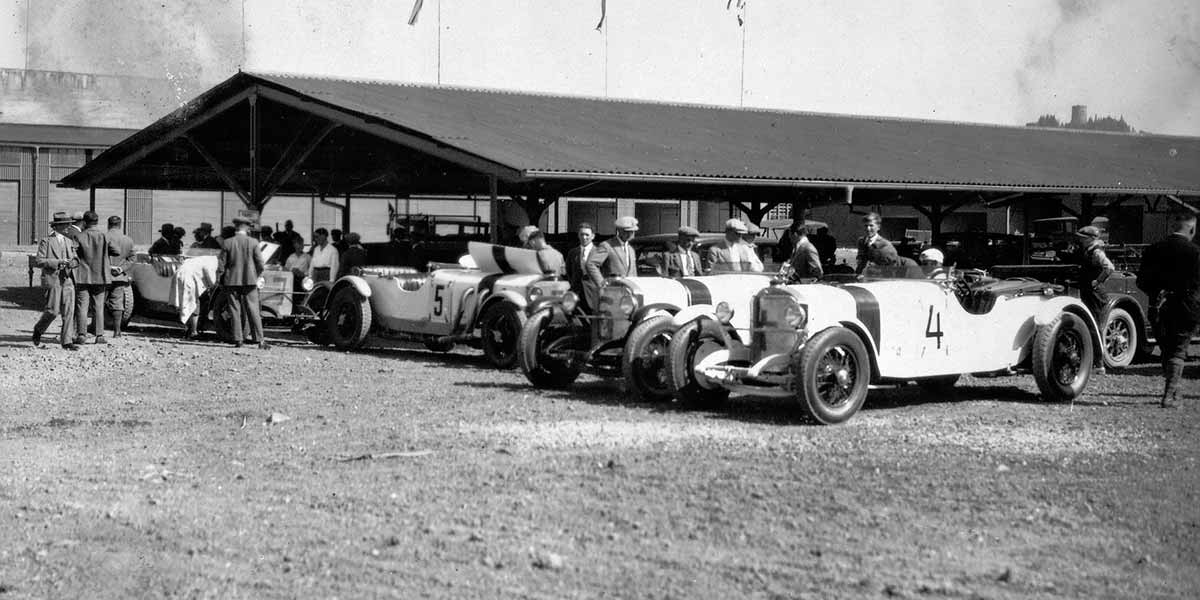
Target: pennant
(416, 11)
(603, 13)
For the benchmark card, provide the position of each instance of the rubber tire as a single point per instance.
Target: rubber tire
(633, 366)
(357, 311)
(680, 357)
(804, 370)
(1043, 358)
(541, 373)
(1126, 359)
(436, 346)
(940, 386)
(493, 318)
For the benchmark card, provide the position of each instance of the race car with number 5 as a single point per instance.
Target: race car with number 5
(825, 344)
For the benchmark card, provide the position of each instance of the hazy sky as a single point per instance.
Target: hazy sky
(972, 60)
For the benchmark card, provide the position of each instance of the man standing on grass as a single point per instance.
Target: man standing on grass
(120, 293)
(1171, 267)
(56, 257)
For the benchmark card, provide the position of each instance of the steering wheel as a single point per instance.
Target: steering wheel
(971, 276)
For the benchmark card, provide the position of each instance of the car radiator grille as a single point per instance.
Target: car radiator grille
(771, 334)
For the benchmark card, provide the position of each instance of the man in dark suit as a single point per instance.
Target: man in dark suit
(577, 275)
(614, 257)
(1171, 267)
(165, 244)
(683, 261)
(92, 276)
(120, 292)
(56, 257)
(873, 248)
(355, 256)
(805, 260)
(239, 266)
(76, 225)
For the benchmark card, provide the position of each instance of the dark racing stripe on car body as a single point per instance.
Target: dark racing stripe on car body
(489, 281)
(697, 292)
(501, 258)
(866, 307)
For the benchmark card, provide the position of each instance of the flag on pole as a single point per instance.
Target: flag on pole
(416, 11)
(603, 12)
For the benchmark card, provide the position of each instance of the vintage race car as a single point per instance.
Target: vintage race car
(824, 344)
(630, 331)
(482, 303)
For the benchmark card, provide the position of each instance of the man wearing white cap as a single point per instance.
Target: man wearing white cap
(614, 257)
(734, 254)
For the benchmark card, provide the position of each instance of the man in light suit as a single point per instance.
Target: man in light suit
(683, 261)
(873, 248)
(614, 257)
(577, 273)
(734, 255)
(239, 266)
(56, 257)
(92, 276)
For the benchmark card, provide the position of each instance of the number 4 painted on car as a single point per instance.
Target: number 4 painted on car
(930, 332)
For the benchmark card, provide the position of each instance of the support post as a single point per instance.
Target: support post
(493, 211)
(346, 216)
(255, 200)
(92, 198)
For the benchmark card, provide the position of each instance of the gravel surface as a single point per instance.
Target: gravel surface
(160, 467)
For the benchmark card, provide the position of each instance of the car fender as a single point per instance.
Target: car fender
(688, 314)
(654, 310)
(358, 283)
(500, 296)
(1059, 304)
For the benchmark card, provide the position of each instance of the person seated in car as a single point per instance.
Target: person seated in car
(355, 256)
(551, 260)
(931, 260)
(873, 248)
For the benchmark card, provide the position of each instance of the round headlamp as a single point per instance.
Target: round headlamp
(795, 316)
(535, 292)
(307, 284)
(724, 313)
(570, 301)
(262, 281)
(627, 305)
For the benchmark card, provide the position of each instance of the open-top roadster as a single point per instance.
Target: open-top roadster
(825, 344)
(481, 302)
(630, 330)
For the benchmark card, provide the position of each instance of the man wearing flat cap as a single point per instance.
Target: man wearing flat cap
(614, 257)
(92, 276)
(204, 237)
(165, 244)
(683, 260)
(734, 255)
(56, 258)
(1094, 269)
(239, 266)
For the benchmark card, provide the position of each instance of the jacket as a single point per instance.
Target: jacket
(55, 251)
(728, 257)
(673, 261)
(609, 261)
(1172, 265)
(577, 276)
(805, 260)
(240, 261)
(879, 252)
(120, 248)
(94, 251)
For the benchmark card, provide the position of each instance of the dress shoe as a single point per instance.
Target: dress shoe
(1170, 400)
(37, 340)
(79, 341)
(71, 347)
(238, 344)
(100, 340)
(264, 346)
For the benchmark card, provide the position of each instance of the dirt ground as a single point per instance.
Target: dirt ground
(159, 467)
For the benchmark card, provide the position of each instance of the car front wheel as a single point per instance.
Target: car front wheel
(501, 327)
(539, 349)
(831, 374)
(644, 362)
(1062, 357)
(1120, 339)
(691, 344)
(349, 319)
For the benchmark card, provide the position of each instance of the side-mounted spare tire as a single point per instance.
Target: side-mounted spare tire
(539, 336)
(349, 318)
(1062, 357)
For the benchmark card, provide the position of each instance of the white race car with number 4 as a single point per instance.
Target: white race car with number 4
(825, 344)
(482, 303)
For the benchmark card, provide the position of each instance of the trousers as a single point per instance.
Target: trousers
(244, 298)
(89, 296)
(63, 304)
(1176, 329)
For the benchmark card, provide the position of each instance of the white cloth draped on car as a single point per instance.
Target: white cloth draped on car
(192, 278)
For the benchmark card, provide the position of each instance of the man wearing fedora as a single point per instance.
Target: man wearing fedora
(733, 254)
(120, 292)
(1094, 269)
(239, 266)
(165, 243)
(614, 257)
(92, 276)
(56, 258)
(204, 237)
(76, 225)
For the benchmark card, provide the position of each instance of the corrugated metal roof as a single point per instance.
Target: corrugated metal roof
(550, 135)
(61, 135)
(546, 137)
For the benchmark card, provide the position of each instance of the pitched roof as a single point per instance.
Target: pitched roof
(540, 137)
(61, 135)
